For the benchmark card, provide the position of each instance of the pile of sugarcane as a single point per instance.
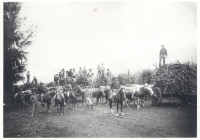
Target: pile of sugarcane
(179, 78)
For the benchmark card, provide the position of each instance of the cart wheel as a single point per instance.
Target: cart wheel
(157, 96)
(185, 99)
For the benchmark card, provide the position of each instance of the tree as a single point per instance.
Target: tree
(146, 76)
(15, 41)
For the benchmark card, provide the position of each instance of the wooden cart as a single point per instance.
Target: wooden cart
(161, 91)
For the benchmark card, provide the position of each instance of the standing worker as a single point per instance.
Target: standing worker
(28, 77)
(85, 72)
(54, 79)
(163, 52)
(35, 81)
(102, 70)
(108, 75)
(59, 92)
(57, 79)
(73, 81)
(80, 72)
(34, 101)
(74, 73)
(63, 73)
(115, 86)
(90, 74)
(88, 98)
(99, 71)
(60, 75)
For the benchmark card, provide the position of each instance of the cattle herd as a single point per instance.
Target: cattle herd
(126, 94)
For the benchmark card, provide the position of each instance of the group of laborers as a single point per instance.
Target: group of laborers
(115, 86)
(73, 76)
(34, 81)
(102, 74)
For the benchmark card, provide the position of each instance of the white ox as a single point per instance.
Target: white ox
(139, 92)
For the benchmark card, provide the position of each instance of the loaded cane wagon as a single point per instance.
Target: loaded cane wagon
(177, 80)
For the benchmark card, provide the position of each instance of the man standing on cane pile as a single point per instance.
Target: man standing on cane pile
(99, 71)
(60, 75)
(90, 74)
(35, 81)
(163, 53)
(85, 72)
(108, 75)
(80, 72)
(28, 77)
(63, 73)
(102, 70)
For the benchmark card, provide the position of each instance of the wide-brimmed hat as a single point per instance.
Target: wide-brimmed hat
(69, 86)
(115, 78)
(57, 84)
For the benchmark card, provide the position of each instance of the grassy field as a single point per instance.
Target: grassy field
(169, 120)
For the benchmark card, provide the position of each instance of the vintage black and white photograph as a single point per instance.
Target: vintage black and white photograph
(99, 69)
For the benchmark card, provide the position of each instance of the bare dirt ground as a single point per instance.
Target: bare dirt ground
(171, 119)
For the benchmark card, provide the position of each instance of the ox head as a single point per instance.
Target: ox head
(123, 92)
(148, 87)
(101, 90)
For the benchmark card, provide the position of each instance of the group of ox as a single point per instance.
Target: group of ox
(128, 93)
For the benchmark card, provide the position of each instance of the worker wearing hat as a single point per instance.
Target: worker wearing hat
(99, 71)
(73, 81)
(63, 73)
(59, 91)
(35, 81)
(34, 101)
(102, 70)
(69, 86)
(108, 75)
(163, 53)
(115, 86)
(41, 91)
(28, 77)
(60, 75)
(56, 79)
(90, 74)
(88, 100)
(74, 73)
(84, 71)
(80, 72)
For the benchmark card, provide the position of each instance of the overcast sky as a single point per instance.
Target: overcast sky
(121, 35)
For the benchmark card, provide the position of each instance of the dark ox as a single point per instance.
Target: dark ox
(59, 102)
(118, 96)
(96, 93)
(106, 90)
(45, 97)
(18, 100)
(27, 96)
(22, 98)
